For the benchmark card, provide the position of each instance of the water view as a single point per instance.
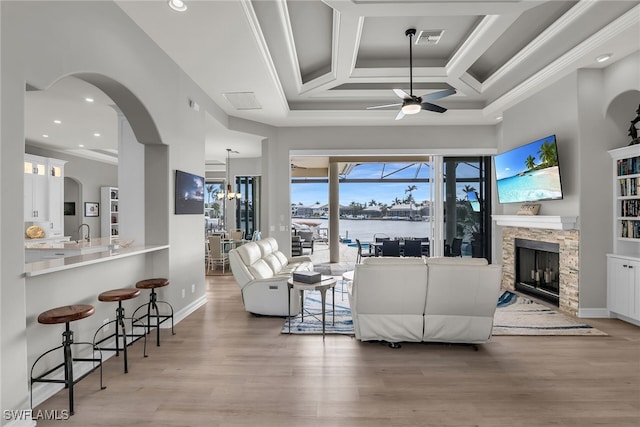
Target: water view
(365, 229)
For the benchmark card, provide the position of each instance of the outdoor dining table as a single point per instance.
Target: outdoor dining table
(377, 247)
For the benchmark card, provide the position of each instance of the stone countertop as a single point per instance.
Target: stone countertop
(59, 264)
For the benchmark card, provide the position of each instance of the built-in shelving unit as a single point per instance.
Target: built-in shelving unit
(110, 219)
(623, 265)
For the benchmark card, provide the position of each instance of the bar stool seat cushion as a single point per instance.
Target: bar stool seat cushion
(152, 283)
(119, 294)
(65, 314)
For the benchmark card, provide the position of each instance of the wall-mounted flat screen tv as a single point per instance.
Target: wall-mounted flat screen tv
(529, 173)
(189, 193)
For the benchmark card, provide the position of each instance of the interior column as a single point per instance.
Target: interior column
(334, 213)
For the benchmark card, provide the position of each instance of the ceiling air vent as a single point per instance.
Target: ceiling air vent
(243, 100)
(429, 36)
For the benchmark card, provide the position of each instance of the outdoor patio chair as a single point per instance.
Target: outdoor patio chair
(391, 248)
(362, 254)
(412, 248)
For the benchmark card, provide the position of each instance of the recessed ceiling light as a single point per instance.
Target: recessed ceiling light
(44, 135)
(499, 118)
(603, 58)
(96, 134)
(81, 145)
(89, 99)
(57, 122)
(177, 5)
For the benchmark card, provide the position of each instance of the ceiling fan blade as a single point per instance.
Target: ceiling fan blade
(400, 115)
(433, 107)
(437, 95)
(384, 106)
(402, 94)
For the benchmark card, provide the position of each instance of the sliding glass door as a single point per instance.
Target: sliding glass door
(466, 207)
(248, 207)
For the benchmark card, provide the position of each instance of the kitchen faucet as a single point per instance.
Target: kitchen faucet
(88, 238)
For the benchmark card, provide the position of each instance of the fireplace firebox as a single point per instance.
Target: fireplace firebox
(537, 269)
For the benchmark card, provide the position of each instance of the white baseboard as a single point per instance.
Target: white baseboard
(594, 313)
(178, 316)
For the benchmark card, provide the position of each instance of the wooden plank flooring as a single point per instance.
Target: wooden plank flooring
(225, 367)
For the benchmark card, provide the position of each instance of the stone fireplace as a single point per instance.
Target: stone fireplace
(567, 276)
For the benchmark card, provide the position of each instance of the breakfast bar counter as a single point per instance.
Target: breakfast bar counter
(112, 253)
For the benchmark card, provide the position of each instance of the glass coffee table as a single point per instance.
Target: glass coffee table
(326, 282)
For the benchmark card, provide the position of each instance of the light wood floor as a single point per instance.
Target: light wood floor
(225, 367)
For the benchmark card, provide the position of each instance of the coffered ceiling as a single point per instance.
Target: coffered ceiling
(323, 62)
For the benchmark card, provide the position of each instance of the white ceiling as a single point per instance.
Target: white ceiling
(313, 62)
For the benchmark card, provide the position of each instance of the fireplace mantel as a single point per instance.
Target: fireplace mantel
(537, 221)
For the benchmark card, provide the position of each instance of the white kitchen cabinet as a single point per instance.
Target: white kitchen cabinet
(35, 189)
(55, 176)
(44, 193)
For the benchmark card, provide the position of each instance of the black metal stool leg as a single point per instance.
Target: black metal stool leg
(68, 364)
(120, 320)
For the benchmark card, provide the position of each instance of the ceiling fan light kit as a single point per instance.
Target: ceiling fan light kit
(411, 107)
(412, 104)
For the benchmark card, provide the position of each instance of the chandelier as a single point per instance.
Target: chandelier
(229, 193)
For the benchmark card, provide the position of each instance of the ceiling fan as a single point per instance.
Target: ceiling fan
(412, 104)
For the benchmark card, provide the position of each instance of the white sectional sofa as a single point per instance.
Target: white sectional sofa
(424, 299)
(262, 271)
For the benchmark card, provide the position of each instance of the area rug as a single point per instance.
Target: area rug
(518, 315)
(515, 315)
(343, 324)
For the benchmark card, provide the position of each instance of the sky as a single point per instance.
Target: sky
(512, 162)
(309, 194)
(363, 193)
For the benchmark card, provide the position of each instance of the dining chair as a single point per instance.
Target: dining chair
(217, 255)
(391, 248)
(236, 235)
(207, 256)
(412, 248)
(425, 247)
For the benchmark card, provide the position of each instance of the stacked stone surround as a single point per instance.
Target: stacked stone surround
(569, 260)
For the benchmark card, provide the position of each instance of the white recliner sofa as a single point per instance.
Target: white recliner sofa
(262, 271)
(450, 300)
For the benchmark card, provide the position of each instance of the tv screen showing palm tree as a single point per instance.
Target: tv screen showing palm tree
(529, 173)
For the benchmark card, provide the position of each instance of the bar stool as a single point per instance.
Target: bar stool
(153, 304)
(66, 315)
(120, 295)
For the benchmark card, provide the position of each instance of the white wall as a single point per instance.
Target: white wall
(42, 42)
(583, 111)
